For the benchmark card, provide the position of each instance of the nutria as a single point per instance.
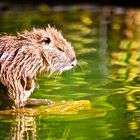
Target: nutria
(24, 56)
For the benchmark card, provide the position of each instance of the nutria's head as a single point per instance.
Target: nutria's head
(55, 49)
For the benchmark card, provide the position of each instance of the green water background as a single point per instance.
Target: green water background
(106, 41)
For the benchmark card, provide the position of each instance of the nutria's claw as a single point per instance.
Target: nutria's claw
(49, 101)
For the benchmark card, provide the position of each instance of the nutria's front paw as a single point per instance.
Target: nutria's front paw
(38, 102)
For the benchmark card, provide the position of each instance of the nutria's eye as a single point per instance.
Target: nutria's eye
(47, 40)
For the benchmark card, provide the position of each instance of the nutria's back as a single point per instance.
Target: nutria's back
(24, 56)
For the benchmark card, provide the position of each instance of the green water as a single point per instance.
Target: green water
(107, 44)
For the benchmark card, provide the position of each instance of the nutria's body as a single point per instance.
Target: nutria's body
(24, 56)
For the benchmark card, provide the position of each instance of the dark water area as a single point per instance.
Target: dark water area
(107, 45)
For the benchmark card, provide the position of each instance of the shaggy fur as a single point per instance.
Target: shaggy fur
(24, 56)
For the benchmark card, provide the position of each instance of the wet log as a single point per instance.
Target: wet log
(61, 108)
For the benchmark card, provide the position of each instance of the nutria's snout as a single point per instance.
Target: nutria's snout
(71, 66)
(24, 56)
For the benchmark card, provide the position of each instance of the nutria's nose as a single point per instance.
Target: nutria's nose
(73, 63)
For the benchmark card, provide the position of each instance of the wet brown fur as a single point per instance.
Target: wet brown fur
(24, 56)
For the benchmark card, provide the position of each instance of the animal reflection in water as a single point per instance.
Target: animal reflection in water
(23, 127)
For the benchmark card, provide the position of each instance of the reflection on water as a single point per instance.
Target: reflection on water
(23, 127)
(106, 40)
(18, 126)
